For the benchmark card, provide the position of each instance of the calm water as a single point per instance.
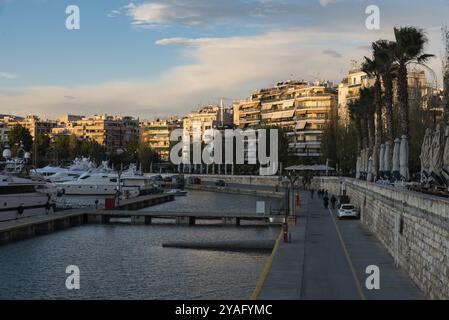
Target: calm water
(202, 201)
(123, 261)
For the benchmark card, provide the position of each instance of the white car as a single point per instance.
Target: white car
(347, 210)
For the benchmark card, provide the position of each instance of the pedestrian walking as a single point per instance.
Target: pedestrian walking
(312, 191)
(326, 201)
(333, 201)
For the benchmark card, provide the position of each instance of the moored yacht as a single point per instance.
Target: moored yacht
(20, 198)
(129, 184)
(62, 174)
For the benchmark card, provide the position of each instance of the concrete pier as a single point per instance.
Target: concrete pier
(29, 227)
(241, 191)
(184, 218)
(246, 245)
(145, 201)
(37, 225)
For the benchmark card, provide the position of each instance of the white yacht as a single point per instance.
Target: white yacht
(20, 198)
(62, 174)
(129, 184)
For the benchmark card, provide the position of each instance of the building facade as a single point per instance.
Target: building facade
(33, 123)
(4, 132)
(349, 90)
(301, 108)
(113, 132)
(156, 134)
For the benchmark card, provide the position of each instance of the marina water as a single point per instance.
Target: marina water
(124, 261)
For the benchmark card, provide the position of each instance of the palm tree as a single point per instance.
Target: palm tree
(372, 68)
(383, 51)
(366, 101)
(355, 117)
(408, 49)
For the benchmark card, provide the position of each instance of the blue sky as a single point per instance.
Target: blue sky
(156, 58)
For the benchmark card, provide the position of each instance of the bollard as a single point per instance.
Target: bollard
(285, 231)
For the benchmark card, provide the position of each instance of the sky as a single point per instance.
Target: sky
(158, 58)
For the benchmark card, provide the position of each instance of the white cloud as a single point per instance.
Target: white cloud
(324, 3)
(332, 53)
(230, 67)
(211, 12)
(184, 41)
(8, 76)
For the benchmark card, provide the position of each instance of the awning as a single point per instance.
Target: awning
(315, 167)
(278, 115)
(248, 105)
(267, 106)
(301, 125)
(289, 103)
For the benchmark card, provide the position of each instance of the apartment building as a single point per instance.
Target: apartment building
(111, 131)
(302, 108)
(208, 117)
(156, 134)
(420, 90)
(349, 90)
(4, 132)
(32, 122)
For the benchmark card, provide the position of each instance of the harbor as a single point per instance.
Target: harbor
(141, 244)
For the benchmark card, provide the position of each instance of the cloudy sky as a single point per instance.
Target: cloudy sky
(156, 58)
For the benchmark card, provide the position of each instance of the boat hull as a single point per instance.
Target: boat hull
(18, 206)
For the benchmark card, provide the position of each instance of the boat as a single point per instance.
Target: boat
(21, 198)
(62, 174)
(127, 184)
(177, 192)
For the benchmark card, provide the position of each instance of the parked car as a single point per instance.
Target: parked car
(194, 180)
(220, 183)
(347, 210)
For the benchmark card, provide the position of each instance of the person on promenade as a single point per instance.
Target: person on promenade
(333, 201)
(312, 191)
(326, 201)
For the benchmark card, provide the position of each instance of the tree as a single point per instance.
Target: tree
(366, 101)
(20, 134)
(61, 147)
(409, 48)
(445, 36)
(146, 156)
(43, 148)
(355, 115)
(383, 51)
(372, 67)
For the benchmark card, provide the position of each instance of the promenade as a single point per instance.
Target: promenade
(327, 259)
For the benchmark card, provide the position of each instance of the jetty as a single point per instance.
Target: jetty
(32, 226)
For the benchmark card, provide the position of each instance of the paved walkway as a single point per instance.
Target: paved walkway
(327, 260)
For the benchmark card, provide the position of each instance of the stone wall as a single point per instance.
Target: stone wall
(239, 179)
(414, 227)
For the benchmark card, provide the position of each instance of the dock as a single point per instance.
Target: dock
(187, 218)
(32, 226)
(240, 191)
(144, 201)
